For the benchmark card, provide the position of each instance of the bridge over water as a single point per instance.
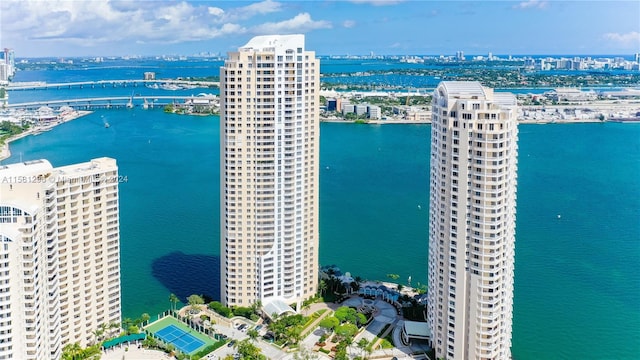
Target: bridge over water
(119, 101)
(106, 83)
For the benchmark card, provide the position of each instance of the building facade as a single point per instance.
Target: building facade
(472, 212)
(60, 268)
(269, 128)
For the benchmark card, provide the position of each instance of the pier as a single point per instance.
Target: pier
(38, 85)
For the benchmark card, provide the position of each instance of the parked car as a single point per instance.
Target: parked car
(269, 336)
(258, 327)
(231, 343)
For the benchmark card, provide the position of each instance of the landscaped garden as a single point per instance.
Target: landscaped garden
(340, 330)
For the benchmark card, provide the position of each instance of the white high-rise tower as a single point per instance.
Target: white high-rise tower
(60, 251)
(472, 212)
(269, 158)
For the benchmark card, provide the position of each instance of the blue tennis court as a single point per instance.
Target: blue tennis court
(182, 340)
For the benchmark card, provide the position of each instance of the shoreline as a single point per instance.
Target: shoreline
(526, 121)
(5, 151)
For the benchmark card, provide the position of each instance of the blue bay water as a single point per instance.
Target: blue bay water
(577, 289)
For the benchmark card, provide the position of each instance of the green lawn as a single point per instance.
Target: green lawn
(168, 320)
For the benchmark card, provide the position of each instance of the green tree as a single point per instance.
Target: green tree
(126, 322)
(245, 312)
(76, 352)
(150, 342)
(144, 318)
(173, 299)
(365, 347)
(322, 287)
(217, 307)
(346, 330)
(282, 327)
(194, 302)
(248, 351)
(346, 314)
(133, 329)
(71, 351)
(253, 334)
(329, 323)
(256, 307)
(98, 334)
(293, 334)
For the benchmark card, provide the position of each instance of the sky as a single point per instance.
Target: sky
(68, 28)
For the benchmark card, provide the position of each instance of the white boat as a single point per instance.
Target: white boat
(169, 87)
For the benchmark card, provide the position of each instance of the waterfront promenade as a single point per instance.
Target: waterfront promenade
(589, 112)
(4, 148)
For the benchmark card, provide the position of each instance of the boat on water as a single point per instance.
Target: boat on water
(106, 125)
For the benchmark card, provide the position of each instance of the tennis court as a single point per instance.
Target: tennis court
(185, 339)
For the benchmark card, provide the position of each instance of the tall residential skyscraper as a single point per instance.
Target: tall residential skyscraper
(269, 157)
(60, 251)
(472, 213)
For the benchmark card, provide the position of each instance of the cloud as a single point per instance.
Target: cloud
(300, 23)
(631, 38)
(95, 23)
(377, 2)
(215, 11)
(348, 23)
(531, 4)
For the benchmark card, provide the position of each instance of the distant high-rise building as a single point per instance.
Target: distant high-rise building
(472, 221)
(269, 157)
(460, 55)
(60, 274)
(8, 55)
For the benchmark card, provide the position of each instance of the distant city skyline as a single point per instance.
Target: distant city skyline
(65, 28)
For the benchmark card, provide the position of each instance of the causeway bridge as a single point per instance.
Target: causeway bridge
(118, 102)
(38, 85)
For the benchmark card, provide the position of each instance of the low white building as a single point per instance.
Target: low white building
(348, 108)
(374, 112)
(360, 109)
(571, 94)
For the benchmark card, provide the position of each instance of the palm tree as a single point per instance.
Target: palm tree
(253, 334)
(150, 342)
(144, 318)
(322, 287)
(98, 333)
(71, 351)
(173, 299)
(256, 307)
(362, 345)
(305, 308)
(126, 323)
